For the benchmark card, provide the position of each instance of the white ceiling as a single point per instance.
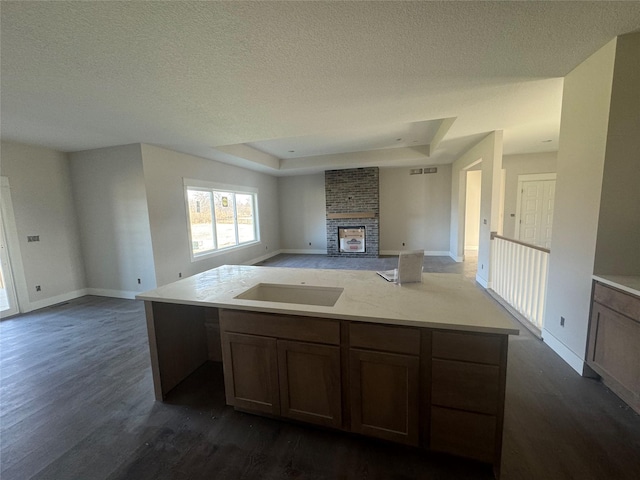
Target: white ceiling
(336, 82)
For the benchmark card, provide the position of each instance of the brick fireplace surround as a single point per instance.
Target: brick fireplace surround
(352, 200)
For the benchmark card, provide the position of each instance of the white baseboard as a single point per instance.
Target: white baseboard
(431, 253)
(304, 251)
(47, 302)
(455, 257)
(262, 258)
(483, 281)
(105, 292)
(563, 351)
(472, 248)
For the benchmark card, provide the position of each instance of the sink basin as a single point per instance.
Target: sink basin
(300, 294)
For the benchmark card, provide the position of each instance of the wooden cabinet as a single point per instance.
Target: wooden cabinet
(251, 372)
(267, 369)
(384, 395)
(614, 338)
(468, 376)
(310, 382)
(384, 381)
(438, 389)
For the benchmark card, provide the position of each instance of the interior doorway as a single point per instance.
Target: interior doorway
(12, 293)
(534, 210)
(8, 298)
(472, 212)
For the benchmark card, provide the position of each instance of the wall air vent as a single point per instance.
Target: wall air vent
(431, 170)
(415, 171)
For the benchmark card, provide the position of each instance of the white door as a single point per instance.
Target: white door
(8, 301)
(535, 213)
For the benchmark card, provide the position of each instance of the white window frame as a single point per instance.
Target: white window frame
(193, 184)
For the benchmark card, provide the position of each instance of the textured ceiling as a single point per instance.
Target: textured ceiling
(329, 80)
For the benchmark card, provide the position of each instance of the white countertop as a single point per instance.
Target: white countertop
(442, 300)
(628, 284)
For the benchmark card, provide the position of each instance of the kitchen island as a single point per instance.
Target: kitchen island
(422, 364)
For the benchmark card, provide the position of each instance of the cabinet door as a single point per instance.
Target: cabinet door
(251, 372)
(310, 383)
(614, 353)
(384, 395)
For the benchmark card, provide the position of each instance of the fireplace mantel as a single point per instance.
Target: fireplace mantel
(333, 216)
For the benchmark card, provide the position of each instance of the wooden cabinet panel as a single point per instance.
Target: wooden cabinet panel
(614, 352)
(310, 383)
(385, 338)
(467, 434)
(384, 395)
(251, 372)
(290, 327)
(465, 386)
(468, 347)
(177, 347)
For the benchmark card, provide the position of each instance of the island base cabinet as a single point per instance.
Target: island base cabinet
(310, 383)
(467, 434)
(385, 395)
(438, 389)
(251, 372)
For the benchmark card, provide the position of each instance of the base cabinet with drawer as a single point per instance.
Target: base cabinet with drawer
(436, 389)
(384, 382)
(271, 366)
(468, 379)
(613, 348)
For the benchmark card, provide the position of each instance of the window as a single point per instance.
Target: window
(220, 217)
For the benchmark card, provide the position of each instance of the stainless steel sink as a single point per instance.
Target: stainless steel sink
(300, 294)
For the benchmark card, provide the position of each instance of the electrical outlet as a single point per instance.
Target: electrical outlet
(562, 321)
(403, 244)
(38, 289)
(180, 275)
(139, 282)
(309, 243)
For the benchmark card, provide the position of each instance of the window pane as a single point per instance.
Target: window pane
(244, 215)
(201, 222)
(225, 226)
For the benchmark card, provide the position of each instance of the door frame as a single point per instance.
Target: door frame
(13, 246)
(529, 177)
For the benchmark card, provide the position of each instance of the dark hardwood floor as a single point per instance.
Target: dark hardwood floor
(77, 402)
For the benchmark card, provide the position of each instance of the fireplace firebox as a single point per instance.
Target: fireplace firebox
(352, 239)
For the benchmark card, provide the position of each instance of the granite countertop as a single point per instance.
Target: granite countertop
(441, 301)
(629, 284)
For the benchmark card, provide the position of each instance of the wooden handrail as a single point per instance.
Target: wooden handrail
(535, 247)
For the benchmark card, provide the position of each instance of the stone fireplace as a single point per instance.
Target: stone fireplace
(352, 201)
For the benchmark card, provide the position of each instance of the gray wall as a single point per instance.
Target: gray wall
(109, 190)
(43, 205)
(415, 209)
(618, 240)
(164, 171)
(585, 117)
(302, 214)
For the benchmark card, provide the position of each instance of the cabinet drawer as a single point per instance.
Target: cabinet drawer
(290, 327)
(466, 386)
(385, 338)
(468, 347)
(466, 434)
(621, 302)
